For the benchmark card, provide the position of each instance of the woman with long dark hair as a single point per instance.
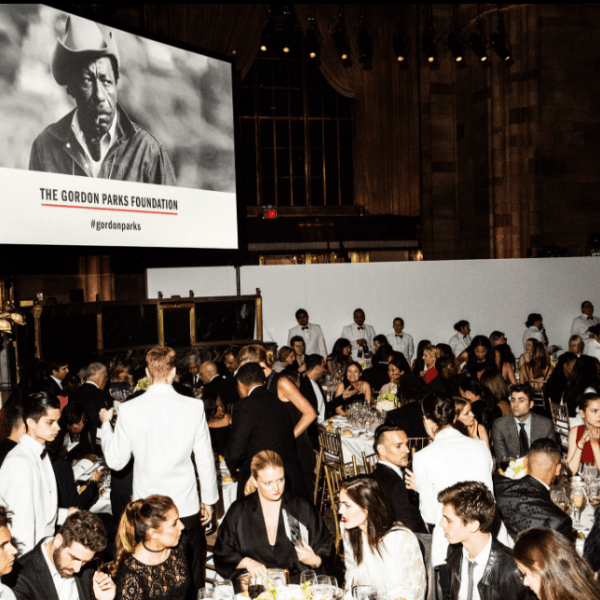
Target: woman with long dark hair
(506, 363)
(538, 369)
(551, 567)
(397, 367)
(492, 380)
(340, 357)
(482, 401)
(558, 381)
(378, 550)
(584, 379)
(150, 562)
(418, 366)
(480, 357)
(352, 389)
(218, 420)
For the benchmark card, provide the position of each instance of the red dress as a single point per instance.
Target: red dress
(430, 374)
(587, 456)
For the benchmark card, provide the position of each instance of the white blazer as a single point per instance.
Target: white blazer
(351, 333)
(450, 458)
(28, 489)
(314, 341)
(459, 343)
(161, 429)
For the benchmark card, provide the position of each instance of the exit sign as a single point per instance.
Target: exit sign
(269, 213)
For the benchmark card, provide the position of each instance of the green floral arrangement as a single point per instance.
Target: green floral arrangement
(143, 384)
(390, 400)
(307, 591)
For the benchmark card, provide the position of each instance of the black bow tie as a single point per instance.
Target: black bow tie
(44, 454)
(399, 335)
(305, 327)
(360, 327)
(589, 318)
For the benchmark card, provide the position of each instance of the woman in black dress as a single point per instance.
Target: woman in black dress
(352, 389)
(150, 561)
(271, 528)
(219, 421)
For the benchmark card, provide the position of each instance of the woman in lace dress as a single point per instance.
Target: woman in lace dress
(378, 551)
(150, 562)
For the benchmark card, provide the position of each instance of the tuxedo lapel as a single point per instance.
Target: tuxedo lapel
(44, 579)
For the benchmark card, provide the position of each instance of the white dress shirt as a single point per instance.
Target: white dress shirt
(160, 429)
(66, 587)
(320, 402)
(581, 324)
(450, 458)
(402, 342)
(108, 139)
(353, 333)
(28, 489)
(459, 343)
(535, 333)
(6, 593)
(592, 348)
(480, 561)
(314, 342)
(394, 468)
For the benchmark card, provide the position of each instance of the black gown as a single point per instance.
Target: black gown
(243, 533)
(219, 436)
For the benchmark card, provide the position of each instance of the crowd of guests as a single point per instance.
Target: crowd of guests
(159, 424)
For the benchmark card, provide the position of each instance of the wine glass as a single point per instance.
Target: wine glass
(223, 590)
(277, 578)
(256, 586)
(308, 576)
(577, 502)
(364, 592)
(559, 497)
(594, 492)
(204, 593)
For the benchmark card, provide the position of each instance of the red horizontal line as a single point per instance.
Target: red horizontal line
(148, 212)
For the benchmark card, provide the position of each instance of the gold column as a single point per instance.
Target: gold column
(259, 317)
(37, 314)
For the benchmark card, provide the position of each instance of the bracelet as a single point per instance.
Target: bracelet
(580, 448)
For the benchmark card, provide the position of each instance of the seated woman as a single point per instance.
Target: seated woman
(537, 371)
(526, 356)
(584, 378)
(150, 562)
(351, 389)
(492, 379)
(219, 421)
(584, 439)
(506, 363)
(271, 528)
(340, 356)
(418, 366)
(479, 357)
(552, 568)
(576, 345)
(466, 422)
(397, 367)
(377, 550)
(120, 381)
(72, 442)
(286, 356)
(429, 357)
(482, 402)
(557, 382)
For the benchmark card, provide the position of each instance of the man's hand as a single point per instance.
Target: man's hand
(71, 511)
(104, 587)
(96, 475)
(409, 478)
(206, 512)
(361, 342)
(106, 415)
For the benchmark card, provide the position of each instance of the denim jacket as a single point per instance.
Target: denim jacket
(136, 155)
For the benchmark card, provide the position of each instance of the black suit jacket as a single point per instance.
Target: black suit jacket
(226, 391)
(93, 400)
(395, 489)
(52, 388)
(68, 495)
(262, 422)
(5, 447)
(525, 503)
(409, 418)
(501, 578)
(377, 376)
(34, 582)
(307, 390)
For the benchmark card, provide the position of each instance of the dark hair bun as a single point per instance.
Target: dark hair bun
(439, 409)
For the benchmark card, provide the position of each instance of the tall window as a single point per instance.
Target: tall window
(296, 133)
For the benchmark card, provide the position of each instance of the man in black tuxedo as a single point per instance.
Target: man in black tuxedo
(311, 389)
(16, 427)
(377, 376)
(448, 380)
(53, 569)
(261, 422)
(391, 445)
(213, 382)
(93, 397)
(192, 378)
(526, 502)
(57, 371)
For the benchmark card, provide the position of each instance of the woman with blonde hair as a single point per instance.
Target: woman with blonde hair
(150, 562)
(271, 528)
(552, 568)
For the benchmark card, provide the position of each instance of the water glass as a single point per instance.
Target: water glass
(308, 575)
(223, 590)
(364, 592)
(205, 592)
(322, 591)
(594, 492)
(277, 578)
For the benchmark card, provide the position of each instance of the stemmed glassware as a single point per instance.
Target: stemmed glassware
(577, 497)
(308, 575)
(223, 590)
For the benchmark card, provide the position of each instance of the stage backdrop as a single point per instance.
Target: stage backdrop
(429, 296)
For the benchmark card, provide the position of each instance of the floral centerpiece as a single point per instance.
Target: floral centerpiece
(516, 469)
(143, 384)
(387, 401)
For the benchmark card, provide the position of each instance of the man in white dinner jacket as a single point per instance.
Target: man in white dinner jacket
(314, 342)
(360, 336)
(584, 321)
(27, 481)
(161, 429)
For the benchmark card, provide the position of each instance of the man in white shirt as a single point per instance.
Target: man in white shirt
(461, 340)
(360, 336)
(27, 481)
(161, 429)
(584, 321)
(7, 552)
(314, 342)
(592, 346)
(479, 567)
(55, 567)
(401, 341)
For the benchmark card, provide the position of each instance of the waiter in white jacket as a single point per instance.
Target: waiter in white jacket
(161, 429)
(314, 342)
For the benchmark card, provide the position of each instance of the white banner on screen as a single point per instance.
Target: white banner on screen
(61, 209)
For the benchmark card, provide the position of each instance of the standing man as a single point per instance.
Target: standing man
(360, 336)
(300, 352)
(16, 427)
(584, 321)
(400, 341)
(513, 434)
(27, 482)
(192, 378)
(391, 445)
(97, 139)
(161, 429)
(311, 389)
(58, 369)
(314, 342)
(479, 567)
(461, 340)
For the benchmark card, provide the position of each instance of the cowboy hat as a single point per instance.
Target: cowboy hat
(83, 41)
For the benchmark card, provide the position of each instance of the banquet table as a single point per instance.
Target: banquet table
(227, 490)
(355, 444)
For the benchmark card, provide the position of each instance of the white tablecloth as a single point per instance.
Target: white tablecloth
(227, 492)
(360, 441)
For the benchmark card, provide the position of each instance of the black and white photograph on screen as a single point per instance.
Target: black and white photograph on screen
(80, 98)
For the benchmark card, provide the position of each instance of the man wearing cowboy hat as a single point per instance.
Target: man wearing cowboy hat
(97, 139)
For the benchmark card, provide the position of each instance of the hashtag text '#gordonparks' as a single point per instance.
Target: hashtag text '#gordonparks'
(114, 225)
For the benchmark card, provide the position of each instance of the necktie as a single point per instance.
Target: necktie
(44, 454)
(523, 440)
(399, 335)
(360, 328)
(305, 327)
(471, 567)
